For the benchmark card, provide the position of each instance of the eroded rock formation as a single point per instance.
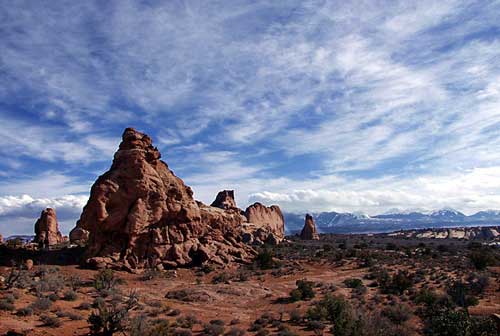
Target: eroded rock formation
(266, 220)
(225, 200)
(140, 214)
(47, 229)
(309, 231)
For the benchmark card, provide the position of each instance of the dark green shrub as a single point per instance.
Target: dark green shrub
(398, 314)
(353, 283)
(304, 291)
(50, 321)
(105, 280)
(448, 322)
(26, 311)
(265, 259)
(70, 295)
(6, 305)
(210, 329)
(41, 304)
(112, 317)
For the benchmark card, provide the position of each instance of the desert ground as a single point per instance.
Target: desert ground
(385, 285)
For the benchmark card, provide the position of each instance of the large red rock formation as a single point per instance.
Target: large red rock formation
(309, 231)
(266, 218)
(140, 214)
(225, 200)
(47, 229)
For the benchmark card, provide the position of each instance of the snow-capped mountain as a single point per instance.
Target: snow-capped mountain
(391, 220)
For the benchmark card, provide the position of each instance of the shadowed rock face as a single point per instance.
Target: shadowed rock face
(47, 229)
(140, 214)
(225, 200)
(309, 231)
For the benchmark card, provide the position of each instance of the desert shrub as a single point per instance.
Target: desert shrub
(51, 280)
(397, 314)
(139, 326)
(483, 326)
(53, 297)
(50, 321)
(6, 305)
(105, 280)
(353, 283)
(304, 291)
(336, 310)
(189, 295)
(448, 322)
(9, 298)
(41, 304)
(70, 295)
(26, 311)
(481, 258)
(111, 317)
(295, 316)
(84, 306)
(262, 332)
(426, 296)
(159, 327)
(222, 277)
(264, 259)
(182, 332)
(211, 329)
(235, 332)
(461, 295)
(316, 326)
(395, 284)
(186, 322)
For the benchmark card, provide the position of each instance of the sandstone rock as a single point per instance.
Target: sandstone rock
(28, 264)
(78, 236)
(309, 231)
(268, 218)
(47, 229)
(225, 200)
(1, 239)
(140, 214)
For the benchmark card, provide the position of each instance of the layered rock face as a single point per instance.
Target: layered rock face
(309, 231)
(47, 229)
(140, 214)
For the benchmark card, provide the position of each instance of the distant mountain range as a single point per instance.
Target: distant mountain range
(394, 220)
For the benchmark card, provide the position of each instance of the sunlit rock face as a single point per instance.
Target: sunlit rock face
(47, 232)
(309, 231)
(140, 214)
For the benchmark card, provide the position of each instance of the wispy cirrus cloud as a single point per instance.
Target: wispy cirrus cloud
(352, 101)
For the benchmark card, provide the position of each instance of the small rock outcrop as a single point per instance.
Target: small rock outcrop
(1, 239)
(225, 200)
(309, 231)
(140, 214)
(47, 232)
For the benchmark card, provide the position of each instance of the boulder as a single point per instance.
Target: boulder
(140, 214)
(309, 231)
(47, 232)
(1, 239)
(78, 236)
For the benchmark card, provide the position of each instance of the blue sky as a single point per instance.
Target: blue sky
(312, 105)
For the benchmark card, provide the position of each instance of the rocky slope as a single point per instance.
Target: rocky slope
(140, 214)
(47, 232)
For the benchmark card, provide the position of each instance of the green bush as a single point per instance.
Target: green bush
(448, 322)
(105, 280)
(353, 283)
(482, 258)
(265, 259)
(304, 291)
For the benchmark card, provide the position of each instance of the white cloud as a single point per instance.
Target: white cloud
(18, 214)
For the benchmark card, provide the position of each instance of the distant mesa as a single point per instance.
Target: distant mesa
(140, 214)
(47, 232)
(309, 231)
